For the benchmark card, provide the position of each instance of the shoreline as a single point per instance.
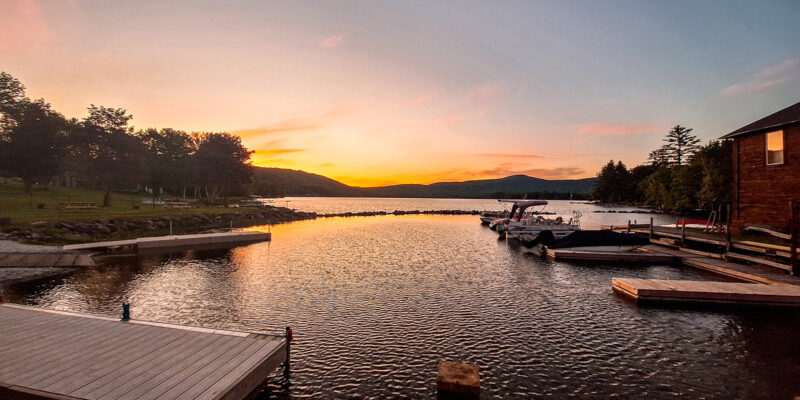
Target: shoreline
(71, 231)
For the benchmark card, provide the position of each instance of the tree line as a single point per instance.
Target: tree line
(679, 176)
(39, 145)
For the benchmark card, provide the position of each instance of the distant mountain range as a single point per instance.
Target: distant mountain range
(287, 182)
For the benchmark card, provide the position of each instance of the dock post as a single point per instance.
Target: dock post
(286, 365)
(683, 233)
(651, 228)
(170, 226)
(629, 226)
(728, 229)
(126, 311)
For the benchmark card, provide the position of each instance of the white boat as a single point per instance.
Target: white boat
(518, 225)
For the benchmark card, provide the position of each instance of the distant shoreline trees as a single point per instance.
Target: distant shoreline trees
(38, 145)
(679, 176)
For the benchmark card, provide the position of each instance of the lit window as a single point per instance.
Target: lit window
(775, 148)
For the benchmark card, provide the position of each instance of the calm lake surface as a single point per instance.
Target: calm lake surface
(376, 302)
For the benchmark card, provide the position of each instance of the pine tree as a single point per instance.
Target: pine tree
(681, 145)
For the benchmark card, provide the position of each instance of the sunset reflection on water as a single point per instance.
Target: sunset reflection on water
(376, 302)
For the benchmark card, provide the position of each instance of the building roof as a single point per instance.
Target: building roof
(783, 117)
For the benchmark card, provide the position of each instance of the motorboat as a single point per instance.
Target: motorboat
(530, 227)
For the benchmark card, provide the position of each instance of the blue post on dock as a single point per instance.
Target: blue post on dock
(126, 311)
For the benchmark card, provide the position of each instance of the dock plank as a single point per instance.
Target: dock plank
(149, 377)
(125, 374)
(81, 356)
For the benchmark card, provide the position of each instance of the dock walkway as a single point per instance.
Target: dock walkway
(175, 242)
(751, 273)
(703, 291)
(47, 354)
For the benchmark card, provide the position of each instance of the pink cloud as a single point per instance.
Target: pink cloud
(422, 99)
(772, 76)
(332, 42)
(600, 128)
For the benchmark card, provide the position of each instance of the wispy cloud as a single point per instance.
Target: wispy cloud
(422, 99)
(332, 42)
(510, 155)
(284, 126)
(272, 152)
(600, 128)
(766, 78)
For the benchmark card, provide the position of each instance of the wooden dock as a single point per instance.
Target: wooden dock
(703, 291)
(577, 254)
(160, 244)
(47, 354)
(715, 263)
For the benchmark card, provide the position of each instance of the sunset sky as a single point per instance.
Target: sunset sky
(380, 92)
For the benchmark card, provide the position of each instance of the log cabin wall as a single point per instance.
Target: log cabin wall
(762, 192)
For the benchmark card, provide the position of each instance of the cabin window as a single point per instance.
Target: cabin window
(775, 148)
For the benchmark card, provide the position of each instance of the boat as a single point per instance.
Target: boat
(488, 216)
(517, 224)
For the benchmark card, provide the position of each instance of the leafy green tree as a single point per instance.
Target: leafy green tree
(658, 157)
(637, 175)
(112, 155)
(31, 134)
(31, 143)
(613, 183)
(680, 146)
(716, 163)
(220, 162)
(684, 189)
(656, 188)
(167, 158)
(12, 99)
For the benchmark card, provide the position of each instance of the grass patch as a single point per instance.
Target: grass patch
(41, 203)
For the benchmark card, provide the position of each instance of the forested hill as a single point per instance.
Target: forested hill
(290, 182)
(485, 188)
(286, 182)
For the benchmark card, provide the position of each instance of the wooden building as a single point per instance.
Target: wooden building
(766, 170)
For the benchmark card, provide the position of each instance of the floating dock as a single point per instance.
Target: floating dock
(608, 255)
(703, 291)
(47, 354)
(161, 244)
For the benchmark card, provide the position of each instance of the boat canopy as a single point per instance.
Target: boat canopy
(522, 205)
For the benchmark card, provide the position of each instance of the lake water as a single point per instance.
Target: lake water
(376, 302)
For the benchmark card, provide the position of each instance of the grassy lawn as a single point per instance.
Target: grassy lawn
(24, 207)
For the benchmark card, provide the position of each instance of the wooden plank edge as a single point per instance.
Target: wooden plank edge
(687, 300)
(757, 260)
(14, 392)
(729, 272)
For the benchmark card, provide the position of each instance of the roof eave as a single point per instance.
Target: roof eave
(765, 128)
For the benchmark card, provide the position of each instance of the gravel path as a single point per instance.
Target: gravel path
(10, 246)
